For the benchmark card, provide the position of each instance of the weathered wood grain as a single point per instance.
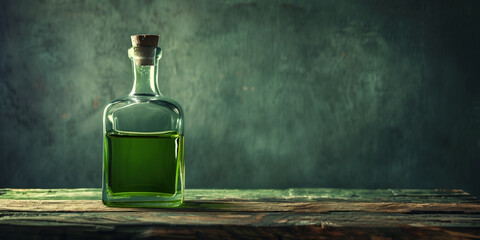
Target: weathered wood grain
(292, 194)
(265, 219)
(236, 232)
(157, 225)
(245, 214)
(243, 206)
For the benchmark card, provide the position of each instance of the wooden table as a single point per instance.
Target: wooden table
(314, 213)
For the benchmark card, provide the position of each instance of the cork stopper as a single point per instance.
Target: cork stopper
(144, 49)
(145, 40)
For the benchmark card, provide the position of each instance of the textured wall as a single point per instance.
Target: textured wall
(356, 94)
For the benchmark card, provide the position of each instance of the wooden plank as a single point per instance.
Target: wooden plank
(218, 225)
(245, 214)
(287, 195)
(243, 206)
(254, 219)
(236, 232)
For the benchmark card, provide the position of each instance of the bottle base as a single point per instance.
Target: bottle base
(150, 204)
(147, 201)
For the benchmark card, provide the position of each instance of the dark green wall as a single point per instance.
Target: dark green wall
(277, 94)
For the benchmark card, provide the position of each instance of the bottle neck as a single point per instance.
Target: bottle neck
(145, 70)
(145, 80)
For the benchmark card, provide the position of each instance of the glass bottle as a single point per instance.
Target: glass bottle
(143, 138)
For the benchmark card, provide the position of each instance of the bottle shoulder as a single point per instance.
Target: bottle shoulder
(143, 114)
(148, 103)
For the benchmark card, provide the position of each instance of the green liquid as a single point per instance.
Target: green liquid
(143, 164)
